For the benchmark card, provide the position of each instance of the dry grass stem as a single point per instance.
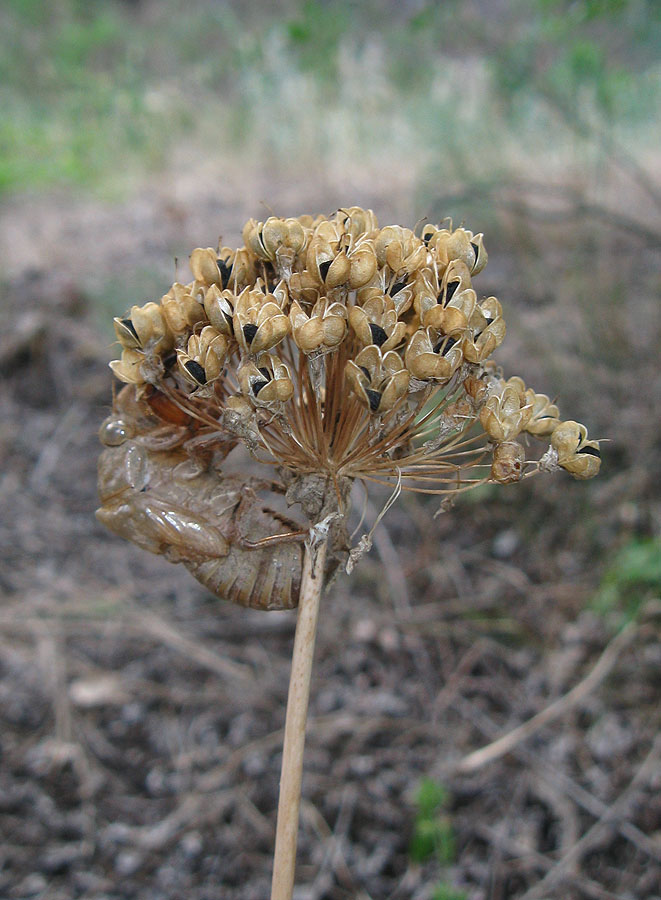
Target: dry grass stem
(563, 704)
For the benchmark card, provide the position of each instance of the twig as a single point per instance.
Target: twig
(286, 837)
(587, 801)
(508, 741)
(203, 656)
(607, 820)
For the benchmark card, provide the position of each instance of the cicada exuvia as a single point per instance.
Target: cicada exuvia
(169, 495)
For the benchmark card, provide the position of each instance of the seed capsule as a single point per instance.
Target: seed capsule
(576, 453)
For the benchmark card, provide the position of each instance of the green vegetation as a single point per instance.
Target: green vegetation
(633, 578)
(87, 84)
(433, 835)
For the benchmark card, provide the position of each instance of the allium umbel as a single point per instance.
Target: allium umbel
(331, 350)
(334, 350)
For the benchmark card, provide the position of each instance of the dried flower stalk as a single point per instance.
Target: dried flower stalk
(331, 350)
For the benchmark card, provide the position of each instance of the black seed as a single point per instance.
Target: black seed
(196, 371)
(257, 386)
(249, 332)
(225, 270)
(366, 371)
(265, 372)
(128, 324)
(374, 398)
(427, 237)
(396, 288)
(379, 337)
(228, 318)
(324, 267)
(447, 343)
(477, 252)
(591, 451)
(452, 287)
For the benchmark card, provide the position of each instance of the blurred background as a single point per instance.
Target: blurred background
(140, 744)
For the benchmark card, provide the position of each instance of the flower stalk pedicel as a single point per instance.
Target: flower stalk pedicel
(329, 350)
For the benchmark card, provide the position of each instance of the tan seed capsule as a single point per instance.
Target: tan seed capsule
(508, 462)
(576, 453)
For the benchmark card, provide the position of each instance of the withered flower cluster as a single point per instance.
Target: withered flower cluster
(337, 347)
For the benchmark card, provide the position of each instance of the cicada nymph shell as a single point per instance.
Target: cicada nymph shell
(169, 501)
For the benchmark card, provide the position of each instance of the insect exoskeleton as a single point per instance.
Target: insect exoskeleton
(219, 526)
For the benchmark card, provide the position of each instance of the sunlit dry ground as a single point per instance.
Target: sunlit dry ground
(142, 719)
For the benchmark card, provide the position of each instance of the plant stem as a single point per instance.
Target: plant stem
(284, 860)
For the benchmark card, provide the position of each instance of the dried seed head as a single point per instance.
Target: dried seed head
(332, 349)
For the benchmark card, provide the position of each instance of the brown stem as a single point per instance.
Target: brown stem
(284, 860)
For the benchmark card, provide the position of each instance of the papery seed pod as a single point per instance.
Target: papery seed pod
(449, 308)
(265, 381)
(400, 249)
(320, 331)
(576, 453)
(143, 327)
(362, 264)
(376, 322)
(431, 355)
(545, 416)
(357, 222)
(219, 307)
(304, 287)
(378, 380)
(280, 295)
(204, 265)
(211, 522)
(505, 414)
(328, 230)
(487, 330)
(259, 323)
(384, 284)
(136, 367)
(321, 256)
(237, 267)
(202, 363)
(277, 240)
(508, 462)
(447, 245)
(181, 310)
